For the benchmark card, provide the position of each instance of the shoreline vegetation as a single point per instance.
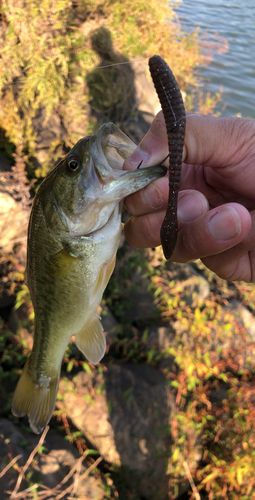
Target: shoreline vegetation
(175, 391)
(59, 57)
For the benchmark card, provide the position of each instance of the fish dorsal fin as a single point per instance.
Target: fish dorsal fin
(36, 399)
(62, 263)
(91, 340)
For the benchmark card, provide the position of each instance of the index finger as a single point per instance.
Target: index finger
(210, 141)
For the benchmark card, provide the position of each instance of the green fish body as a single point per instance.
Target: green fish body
(73, 237)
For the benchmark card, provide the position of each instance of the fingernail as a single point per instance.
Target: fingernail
(137, 156)
(191, 206)
(153, 197)
(225, 224)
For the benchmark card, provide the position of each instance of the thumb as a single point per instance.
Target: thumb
(153, 148)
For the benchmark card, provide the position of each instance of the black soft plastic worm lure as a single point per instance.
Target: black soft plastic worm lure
(173, 109)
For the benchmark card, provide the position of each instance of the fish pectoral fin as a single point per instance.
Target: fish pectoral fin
(91, 340)
(35, 399)
(62, 263)
(102, 280)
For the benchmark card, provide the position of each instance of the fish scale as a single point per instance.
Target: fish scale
(74, 233)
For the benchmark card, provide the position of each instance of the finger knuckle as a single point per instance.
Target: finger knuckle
(190, 243)
(151, 231)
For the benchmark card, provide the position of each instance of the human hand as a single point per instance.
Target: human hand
(216, 207)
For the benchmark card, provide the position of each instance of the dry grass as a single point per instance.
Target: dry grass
(43, 492)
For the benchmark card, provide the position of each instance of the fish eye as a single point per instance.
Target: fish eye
(73, 164)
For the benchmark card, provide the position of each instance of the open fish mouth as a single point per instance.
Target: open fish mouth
(103, 182)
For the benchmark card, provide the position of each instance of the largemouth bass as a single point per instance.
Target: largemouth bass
(73, 237)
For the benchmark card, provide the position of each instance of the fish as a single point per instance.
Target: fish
(73, 236)
(171, 101)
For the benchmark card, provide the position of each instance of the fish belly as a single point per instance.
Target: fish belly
(66, 306)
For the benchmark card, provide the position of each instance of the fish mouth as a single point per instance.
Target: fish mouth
(105, 199)
(103, 181)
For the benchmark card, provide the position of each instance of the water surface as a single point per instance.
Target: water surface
(234, 70)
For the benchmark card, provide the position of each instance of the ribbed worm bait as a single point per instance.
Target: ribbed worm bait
(170, 98)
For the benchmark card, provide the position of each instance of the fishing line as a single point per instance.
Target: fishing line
(92, 68)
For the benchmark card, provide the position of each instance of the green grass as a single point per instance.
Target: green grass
(51, 52)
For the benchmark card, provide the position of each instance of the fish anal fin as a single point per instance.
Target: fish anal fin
(91, 340)
(62, 263)
(35, 399)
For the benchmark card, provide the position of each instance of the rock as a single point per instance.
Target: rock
(56, 464)
(126, 415)
(137, 126)
(196, 286)
(147, 99)
(50, 134)
(108, 321)
(141, 308)
(5, 165)
(6, 299)
(160, 337)
(75, 116)
(245, 315)
(111, 92)
(47, 130)
(135, 303)
(49, 467)
(12, 442)
(13, 218)
(17, 320)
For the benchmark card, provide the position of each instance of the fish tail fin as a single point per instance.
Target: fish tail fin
(36, 399)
